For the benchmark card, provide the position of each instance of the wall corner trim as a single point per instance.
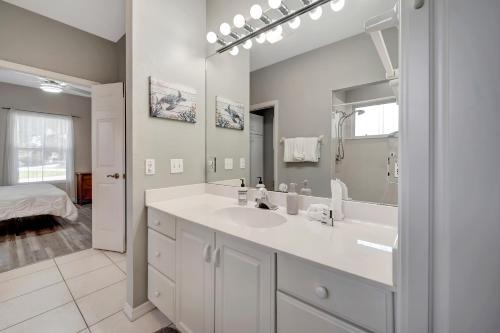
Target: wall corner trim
(135, 313)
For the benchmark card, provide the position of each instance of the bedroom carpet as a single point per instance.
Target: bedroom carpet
(44, 237)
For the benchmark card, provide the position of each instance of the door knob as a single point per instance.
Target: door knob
(115, 176)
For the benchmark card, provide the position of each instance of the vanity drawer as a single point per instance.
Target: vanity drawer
(161, 222)
(362, 304)
(161, 253)
(161, 292)
(293, 316)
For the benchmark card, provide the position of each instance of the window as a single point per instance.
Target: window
(380, 119)
(41, 147)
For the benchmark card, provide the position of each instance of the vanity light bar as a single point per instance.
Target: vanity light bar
(308, 6)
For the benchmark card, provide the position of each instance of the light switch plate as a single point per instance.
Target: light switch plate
(177, 165)
(150, 168)
(228, 163)
(242, 163)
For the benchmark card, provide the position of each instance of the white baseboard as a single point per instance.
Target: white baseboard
(137, 312)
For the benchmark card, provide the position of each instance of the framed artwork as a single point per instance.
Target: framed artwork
(229, 114)
(172, 101)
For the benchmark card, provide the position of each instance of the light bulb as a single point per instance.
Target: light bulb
(225, 29)
(256, 12)
(239, 21)
(248, 44)
(316, 13)
(212, 37)
(274, 35)
(337, 5)
(274, 4)
(234, 51)
(295, 23)
(261, 38)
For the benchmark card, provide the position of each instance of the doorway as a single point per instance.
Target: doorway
(262, 140)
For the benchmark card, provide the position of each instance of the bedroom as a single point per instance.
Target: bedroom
(46, 156)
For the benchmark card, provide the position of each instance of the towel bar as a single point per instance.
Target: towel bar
(320, 139)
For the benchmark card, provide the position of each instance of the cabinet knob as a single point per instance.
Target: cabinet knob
(157, 294)
(157, 254)
(321, 292)
(157, 223)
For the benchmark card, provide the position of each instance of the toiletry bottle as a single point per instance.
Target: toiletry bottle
(306, 190)
(292, 200)
(242, 194)
(260, 184)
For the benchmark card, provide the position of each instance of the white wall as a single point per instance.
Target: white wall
(466, 225)
(166, 40)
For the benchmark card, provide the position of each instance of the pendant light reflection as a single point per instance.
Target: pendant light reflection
(234, 51)
(225, 29)
(295, 23)
(211, 37)
(274, 35)
(239, 21)
(337, 5)
(256, 12)
(248, 44)
(274, 4)
(316, 13)
(261, 38)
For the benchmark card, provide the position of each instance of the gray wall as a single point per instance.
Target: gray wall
(303, 86)
(166, 40)
(228, 77)
(466, 224)
(37, 100)
(34, 40)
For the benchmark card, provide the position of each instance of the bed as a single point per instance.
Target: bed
(35, 199)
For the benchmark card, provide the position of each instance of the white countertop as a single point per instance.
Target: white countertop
(362, 249)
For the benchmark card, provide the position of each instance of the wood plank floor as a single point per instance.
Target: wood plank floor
(44, 237)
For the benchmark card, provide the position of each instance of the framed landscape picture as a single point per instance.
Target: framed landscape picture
(229, 114)
(172, 101)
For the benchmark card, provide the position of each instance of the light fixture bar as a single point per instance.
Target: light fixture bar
(308, 7)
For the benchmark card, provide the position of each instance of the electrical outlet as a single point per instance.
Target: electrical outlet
(177, 165)
(150, 168)
(242, 163)
(228, 163)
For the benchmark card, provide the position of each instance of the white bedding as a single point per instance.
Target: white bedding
(35, 199)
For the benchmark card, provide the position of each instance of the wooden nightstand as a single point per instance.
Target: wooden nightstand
(83, 188)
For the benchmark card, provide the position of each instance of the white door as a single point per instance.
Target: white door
(108, 167)
(256, 148)
(244, 287)
(194, 278)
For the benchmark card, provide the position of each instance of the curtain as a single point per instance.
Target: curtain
(39, 149)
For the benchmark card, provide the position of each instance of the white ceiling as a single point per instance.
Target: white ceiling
(330, 28)
(33, 81)
(103, 18)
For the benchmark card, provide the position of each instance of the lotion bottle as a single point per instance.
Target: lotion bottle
(242, 194)
(292, 200)
(306, 190)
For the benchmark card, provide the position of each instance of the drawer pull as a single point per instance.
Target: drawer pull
(157, 254)
(206, 253)
(321, 292)
(157, 223)
(157, 294)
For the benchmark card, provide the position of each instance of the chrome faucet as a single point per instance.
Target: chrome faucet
(262, 200)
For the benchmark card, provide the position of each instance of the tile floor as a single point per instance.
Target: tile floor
(80, 292)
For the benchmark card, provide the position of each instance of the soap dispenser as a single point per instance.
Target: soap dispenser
(242, 194)
(260, 183)
(292, 200)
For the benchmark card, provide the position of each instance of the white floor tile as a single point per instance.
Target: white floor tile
(85, 284)
(118, 323)
(65, 319)
(75, 256)
(122, 265)
(84, 265)
(116, 256)
(30, 305)
(18, 272)
(103, 303)
(28, 283)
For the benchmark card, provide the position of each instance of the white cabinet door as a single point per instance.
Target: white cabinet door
(244, 289)
(194, 278)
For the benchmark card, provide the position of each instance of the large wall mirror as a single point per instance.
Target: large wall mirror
(312, 105)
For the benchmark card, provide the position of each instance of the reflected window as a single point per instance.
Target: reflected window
(373, 120)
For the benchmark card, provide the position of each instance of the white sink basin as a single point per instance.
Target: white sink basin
(250, 217)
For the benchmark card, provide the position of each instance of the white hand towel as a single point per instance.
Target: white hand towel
(311, 149)
(302, 150)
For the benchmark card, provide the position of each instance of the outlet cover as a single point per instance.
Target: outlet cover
(242, 163)
(177, 165)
